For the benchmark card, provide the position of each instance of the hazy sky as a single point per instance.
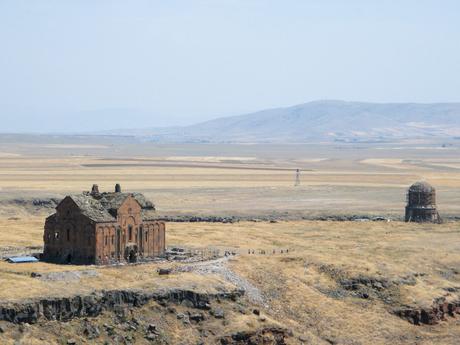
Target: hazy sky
(103, 64)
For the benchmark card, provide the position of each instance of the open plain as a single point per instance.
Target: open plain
(370, 279)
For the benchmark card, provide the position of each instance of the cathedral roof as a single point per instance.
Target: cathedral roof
(102, 207)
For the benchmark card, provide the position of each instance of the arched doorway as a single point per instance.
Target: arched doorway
(69, 258)
(131, 253)
(132, 257)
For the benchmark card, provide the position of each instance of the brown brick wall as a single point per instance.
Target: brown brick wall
(72, 237)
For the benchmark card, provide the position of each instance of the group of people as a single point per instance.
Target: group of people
(263, 252)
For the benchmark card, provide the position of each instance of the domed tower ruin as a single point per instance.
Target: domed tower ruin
(421, 203)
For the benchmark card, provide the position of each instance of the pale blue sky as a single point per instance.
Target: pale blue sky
(178, 62)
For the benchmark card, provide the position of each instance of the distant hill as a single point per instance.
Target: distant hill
(322, 121)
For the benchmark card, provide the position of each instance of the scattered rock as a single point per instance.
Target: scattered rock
(109, 329)
(90, 331)
(267, 335)
(408, 280)
(303, 338)
(71, 342)
(256, 312)
(452, 289)
(218, 313)
(152, 328)
(330, 341)
(151, 336)
(119, 339)
(164, 271)
(197, 317)
(242, 310)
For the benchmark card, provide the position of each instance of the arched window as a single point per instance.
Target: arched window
(130, 232)
(68, 234)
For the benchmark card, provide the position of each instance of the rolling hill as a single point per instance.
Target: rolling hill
(322, 121)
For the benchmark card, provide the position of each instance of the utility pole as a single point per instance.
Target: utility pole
(297, 178)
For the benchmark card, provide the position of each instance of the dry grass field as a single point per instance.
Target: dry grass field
(251, 180)
(305, 288)
(301, 288)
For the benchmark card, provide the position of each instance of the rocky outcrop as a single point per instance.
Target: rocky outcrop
(430, 316)
(205, 219)
(273, 218)
(388, 291)
(67, 308)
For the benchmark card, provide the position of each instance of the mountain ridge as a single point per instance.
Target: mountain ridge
(324, 120)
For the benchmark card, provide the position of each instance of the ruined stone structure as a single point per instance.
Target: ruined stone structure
(103, 228)
(421, 203)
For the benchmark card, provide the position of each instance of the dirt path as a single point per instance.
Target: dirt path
(219, 267)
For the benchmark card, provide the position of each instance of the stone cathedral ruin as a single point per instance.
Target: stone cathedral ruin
(421, 203)
(103, 228)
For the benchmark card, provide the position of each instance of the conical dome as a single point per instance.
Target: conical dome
(421, 187)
